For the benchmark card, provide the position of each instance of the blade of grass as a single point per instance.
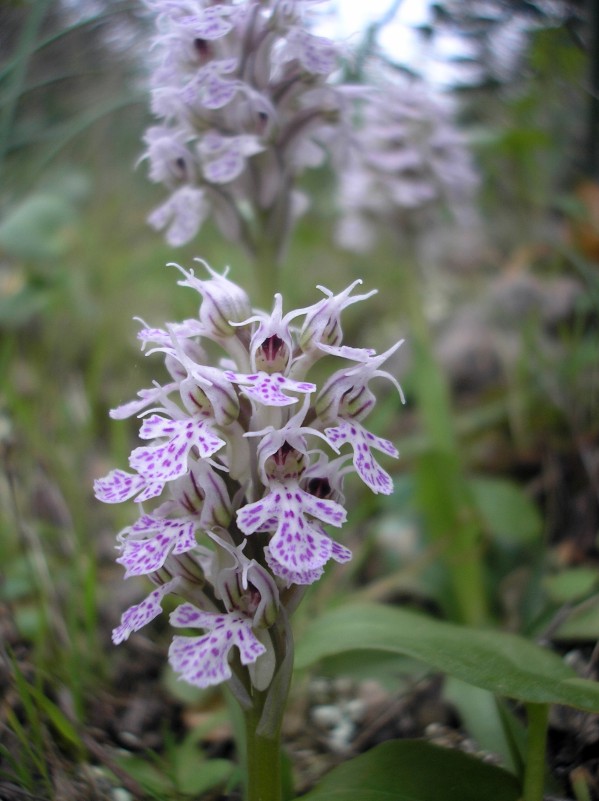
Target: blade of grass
(25, 49)
(12, 63)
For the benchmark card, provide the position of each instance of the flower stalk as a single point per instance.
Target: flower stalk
(451, 519)
(534, 776)
(263, 755)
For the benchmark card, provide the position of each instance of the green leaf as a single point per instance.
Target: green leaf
(150, 776)
(40, 228)
(481, 718)
(58, 720)
(504, 663)
(412, 770)
(195, 777)
(507, 512)
(582, 623)
(571, 584)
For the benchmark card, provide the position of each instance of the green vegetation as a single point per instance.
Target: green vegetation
(494, 521)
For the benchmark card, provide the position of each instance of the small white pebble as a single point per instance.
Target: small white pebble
(341, 736)
(327, 716)
(120, 794)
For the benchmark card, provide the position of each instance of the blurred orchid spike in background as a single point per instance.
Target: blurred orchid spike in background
(408, 166)
(245, 103)
(244, 473)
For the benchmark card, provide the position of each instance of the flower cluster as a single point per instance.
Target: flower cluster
(244, 102)
(242, 471)
(407, 161)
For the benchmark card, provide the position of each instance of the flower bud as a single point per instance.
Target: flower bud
(263, 669)
(223, 302)
(203, 492)
(182, 566)
(322, 325)
(209, 394)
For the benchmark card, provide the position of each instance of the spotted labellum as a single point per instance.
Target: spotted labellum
(239, 479)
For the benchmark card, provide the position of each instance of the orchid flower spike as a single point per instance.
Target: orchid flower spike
(241, 473)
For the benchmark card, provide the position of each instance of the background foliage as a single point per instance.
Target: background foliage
(512, 306)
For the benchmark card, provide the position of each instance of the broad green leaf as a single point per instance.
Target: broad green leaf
(150, 776)
(40, 228)
(195, 777)
(572, 584)
(413, 770)
(390, 670)
(481, 718)
(506, 664)
(507, 512)
(19, 308)
(582, 623)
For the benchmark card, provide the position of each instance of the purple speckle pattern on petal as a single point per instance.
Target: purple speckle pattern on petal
(366, 465)
(210, 23)
(136, 617)
(147, 544)
(168, 461)
(267, 389)
(203, 661)
(298, 544)
(119, 486)
(146, 397)
(292, 575)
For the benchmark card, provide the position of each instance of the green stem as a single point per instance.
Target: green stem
(445, 496)
(263, 754)
(579, 784)
(266, 264)
(534, 774)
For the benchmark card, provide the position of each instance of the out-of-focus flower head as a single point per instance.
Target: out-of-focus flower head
(244, 100)
(408, 163)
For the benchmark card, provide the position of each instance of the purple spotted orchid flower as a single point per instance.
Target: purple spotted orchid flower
(240, 477)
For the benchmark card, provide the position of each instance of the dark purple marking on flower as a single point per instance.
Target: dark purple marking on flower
(203, 49)
(320, 487)
(273, 348)
(298, 540)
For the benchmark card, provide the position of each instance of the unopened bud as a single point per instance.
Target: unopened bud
(215, 397)
(223, 302)
(322, 325)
